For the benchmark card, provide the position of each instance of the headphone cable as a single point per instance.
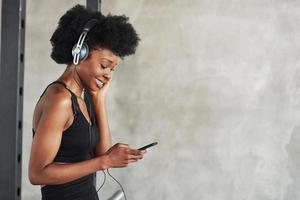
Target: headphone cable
(104, 180)
(118, 183)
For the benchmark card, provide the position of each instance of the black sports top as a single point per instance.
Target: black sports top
(79, 140)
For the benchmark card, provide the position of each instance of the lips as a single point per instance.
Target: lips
(99, 82)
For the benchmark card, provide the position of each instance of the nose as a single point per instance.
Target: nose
(107, 74)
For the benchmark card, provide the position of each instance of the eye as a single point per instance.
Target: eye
(104, 67)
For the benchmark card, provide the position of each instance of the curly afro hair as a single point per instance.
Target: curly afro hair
(112, 32)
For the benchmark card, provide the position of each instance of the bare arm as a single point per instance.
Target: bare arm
(47, 140)
(46, 143)
(104, 134)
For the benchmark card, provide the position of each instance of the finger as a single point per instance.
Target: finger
(135, 152)
(106, 84)
(132, 160)
(135, 157)
(104, 87)
(127, 162)
(121, 145)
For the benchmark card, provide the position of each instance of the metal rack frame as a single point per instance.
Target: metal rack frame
(11, 100)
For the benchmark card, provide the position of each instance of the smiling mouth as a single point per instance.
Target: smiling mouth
(99, 82)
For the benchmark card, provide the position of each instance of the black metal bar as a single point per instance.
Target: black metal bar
(94, 5)
(11, 101)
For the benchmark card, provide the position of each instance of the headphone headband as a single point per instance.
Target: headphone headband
(77, 51)
(90, 24)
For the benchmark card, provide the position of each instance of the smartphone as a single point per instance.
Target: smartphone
(148, 146)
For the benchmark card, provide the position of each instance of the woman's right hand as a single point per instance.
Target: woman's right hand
(120, 155)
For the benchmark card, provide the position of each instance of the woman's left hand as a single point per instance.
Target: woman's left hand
(101, 93)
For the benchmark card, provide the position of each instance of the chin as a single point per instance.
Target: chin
(95, 87)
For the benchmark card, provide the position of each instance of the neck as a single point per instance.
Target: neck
(71, 78)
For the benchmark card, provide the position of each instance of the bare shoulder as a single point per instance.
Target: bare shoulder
(56, 102)
(56, 95)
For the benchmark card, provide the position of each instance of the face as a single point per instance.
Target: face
(97, 69)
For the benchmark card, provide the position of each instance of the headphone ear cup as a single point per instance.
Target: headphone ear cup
(84, 52)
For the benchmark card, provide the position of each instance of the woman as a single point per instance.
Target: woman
(70, 143)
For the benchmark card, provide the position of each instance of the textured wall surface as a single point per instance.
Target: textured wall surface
(215, 82)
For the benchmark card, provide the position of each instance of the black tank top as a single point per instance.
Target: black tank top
(79, 140)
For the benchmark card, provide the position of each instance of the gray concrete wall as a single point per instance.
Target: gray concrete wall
(215, 82)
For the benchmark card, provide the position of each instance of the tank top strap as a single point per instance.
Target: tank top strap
(46, 89)
(88, 102)
(75, 104)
